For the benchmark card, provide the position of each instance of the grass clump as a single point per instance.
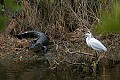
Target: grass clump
(109, 20)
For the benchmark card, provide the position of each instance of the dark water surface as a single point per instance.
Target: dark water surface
(40, 70)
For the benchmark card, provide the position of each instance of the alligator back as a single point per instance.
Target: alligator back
(30, 34)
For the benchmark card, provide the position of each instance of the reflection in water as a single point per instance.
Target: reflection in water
(34, 70)
(2, 72)
(40, 70)
(111, 73)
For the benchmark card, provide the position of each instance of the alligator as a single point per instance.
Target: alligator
(39, 43)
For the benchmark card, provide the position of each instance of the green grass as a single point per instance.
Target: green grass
(11, 7)
(109, 20)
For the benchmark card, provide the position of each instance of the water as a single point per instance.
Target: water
(40, 70)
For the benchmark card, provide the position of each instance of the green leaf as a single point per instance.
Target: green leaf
(12, 6)
(3, 20)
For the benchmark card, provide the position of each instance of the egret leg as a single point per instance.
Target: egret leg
(100, 57)
(96, 54)
(95, 63)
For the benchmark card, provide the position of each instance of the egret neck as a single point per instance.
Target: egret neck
(88, 37)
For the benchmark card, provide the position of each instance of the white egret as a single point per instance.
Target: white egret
(94, 43)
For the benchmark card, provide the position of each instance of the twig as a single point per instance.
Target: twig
(79, 19)
(84, 53)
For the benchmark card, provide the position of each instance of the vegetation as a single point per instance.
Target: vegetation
(110, 19)
(64, 22)
(7, 7)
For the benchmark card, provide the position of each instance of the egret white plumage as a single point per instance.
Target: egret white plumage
(94, 43)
